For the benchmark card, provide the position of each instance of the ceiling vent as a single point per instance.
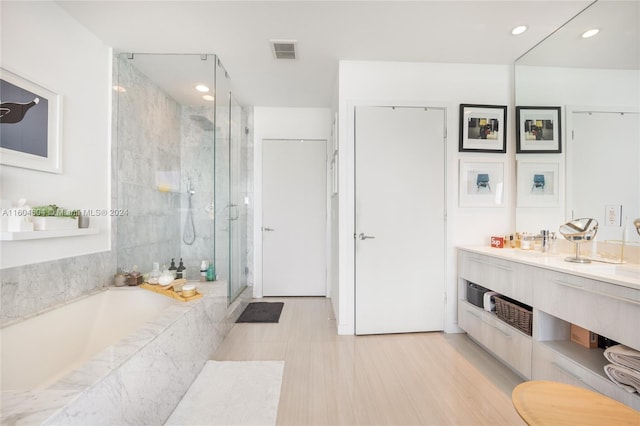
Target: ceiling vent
(284, 49)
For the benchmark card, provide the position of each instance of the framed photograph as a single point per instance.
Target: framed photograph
(481, 183)
(483, 128)
(539, 130)
(538, 183)
(30, 124)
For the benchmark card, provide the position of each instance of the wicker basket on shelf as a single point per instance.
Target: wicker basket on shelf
(514, 313)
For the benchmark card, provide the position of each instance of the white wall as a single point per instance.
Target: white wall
(440, 85)
(568, 88)
(281, 123)
(42, 43)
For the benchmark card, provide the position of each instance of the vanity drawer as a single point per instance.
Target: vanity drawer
(511, 279)
(505, 342)
(494, 274)
(606, 309)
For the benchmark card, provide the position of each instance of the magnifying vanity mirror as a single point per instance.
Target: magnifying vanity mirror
(596, 83)
(578, 231)
(636, 223)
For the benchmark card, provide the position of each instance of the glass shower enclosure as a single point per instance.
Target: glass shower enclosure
(177, 161)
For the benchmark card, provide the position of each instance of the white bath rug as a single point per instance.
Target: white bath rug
(232, 393)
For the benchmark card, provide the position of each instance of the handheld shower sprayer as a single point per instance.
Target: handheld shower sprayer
(189, 235)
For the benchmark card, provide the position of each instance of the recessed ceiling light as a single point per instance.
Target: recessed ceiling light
(208, 98)
(519, 30)
(590, 33)
(202, 88)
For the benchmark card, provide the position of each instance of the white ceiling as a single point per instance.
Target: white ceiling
(326, 31)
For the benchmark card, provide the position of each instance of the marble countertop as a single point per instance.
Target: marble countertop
(624, 274)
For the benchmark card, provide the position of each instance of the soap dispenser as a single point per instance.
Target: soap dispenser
(180, 270)
(173, 268)
(211, 272)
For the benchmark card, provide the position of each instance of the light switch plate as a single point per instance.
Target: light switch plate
(613, 215)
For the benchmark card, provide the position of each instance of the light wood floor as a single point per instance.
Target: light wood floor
(402, 379)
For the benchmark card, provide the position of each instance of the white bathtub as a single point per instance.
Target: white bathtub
(40, 350)
(148, 350)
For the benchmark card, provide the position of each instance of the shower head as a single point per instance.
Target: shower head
(203, 122)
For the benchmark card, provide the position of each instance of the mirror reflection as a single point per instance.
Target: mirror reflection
(596, 82)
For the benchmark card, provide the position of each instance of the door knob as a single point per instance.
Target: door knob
(267, 229)
(364, 237)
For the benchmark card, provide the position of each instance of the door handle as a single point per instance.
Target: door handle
(267, 229)
(364, 237)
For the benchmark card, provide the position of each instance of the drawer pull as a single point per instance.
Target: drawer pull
(571, 374)
(598, 293)
(491, 324)
(493, 265)
(469, 311)
(567, 284)
(504, 333)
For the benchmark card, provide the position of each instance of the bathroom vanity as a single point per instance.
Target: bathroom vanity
(602, 298)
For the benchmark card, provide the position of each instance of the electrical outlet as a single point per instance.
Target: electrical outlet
(613, 215)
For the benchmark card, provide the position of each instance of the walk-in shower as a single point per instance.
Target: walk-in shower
(174, 116)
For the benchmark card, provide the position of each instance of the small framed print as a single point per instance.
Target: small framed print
(539, 130)
(538, 183)
(481, 184)
(30, 124)
(483, 128)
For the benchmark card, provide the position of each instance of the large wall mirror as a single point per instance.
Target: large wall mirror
(596, 83)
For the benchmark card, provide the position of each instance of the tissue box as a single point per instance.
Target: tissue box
(583, 337)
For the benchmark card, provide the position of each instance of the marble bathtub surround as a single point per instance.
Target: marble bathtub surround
(137, 380)
(31, 289)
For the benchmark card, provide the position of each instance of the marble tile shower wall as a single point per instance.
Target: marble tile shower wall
(197, 164)
(149, 133)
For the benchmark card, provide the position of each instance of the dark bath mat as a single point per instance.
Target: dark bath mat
(262, 312)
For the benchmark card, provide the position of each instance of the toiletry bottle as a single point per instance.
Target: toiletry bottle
(211, 272)
(204, 265)
(180, 270)
(173, 268)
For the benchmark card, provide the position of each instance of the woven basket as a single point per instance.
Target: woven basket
(514, 314)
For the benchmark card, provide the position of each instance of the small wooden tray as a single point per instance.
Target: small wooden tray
(169, 292)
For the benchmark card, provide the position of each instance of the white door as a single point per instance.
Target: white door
(399, 219)
(294, 217)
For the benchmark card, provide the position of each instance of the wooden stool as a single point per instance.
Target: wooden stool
(553, 403)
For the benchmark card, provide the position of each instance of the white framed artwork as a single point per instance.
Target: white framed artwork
(538, 183)
(31, 124)
(481, 183)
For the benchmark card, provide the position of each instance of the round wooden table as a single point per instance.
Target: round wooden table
(553, 403)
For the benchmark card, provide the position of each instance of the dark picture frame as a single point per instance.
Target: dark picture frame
(539, 130)
(483, 128)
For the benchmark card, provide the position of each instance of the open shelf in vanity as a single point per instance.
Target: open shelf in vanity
(559, 297)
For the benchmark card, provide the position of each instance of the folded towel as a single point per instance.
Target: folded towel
(624, 356)
(488, 303)
(625, 377)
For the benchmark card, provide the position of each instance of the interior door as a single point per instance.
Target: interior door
(399, 219)
(294, 217)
